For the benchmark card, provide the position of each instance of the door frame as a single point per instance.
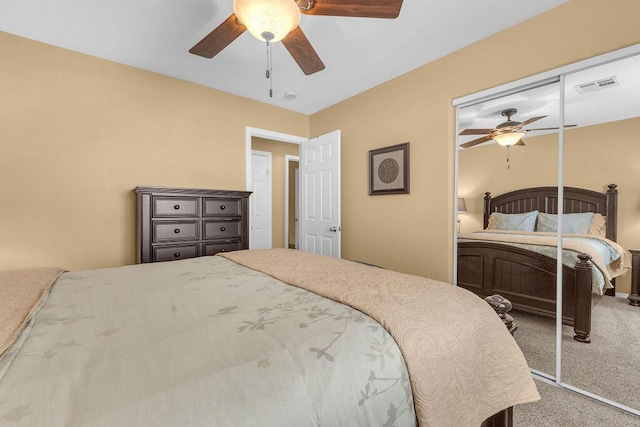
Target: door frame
(251, 132)
(288, 158)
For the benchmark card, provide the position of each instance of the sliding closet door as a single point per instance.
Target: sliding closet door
(603, 150)
(511, 259)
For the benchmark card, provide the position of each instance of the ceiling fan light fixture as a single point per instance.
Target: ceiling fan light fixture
(508, 139)
(268, 20)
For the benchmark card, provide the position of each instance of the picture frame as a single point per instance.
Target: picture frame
(389, 170)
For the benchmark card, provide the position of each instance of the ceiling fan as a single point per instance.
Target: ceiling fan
(274, 20)
(507, 134)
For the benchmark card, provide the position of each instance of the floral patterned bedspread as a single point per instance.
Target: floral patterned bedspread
(200, 342)
(463, 364)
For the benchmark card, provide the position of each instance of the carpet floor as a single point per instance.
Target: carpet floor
(608, 367)
(563, 408)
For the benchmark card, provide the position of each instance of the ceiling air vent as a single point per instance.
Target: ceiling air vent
(597, 85)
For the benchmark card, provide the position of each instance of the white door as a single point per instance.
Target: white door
(319, 218)
(260, 201)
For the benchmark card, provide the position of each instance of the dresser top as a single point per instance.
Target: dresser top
(193, 191)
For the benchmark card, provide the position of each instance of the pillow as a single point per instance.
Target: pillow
(577, 223)
(520, 222)
(598, 227)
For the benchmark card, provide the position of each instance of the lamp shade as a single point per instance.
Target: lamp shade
(268, 20)
(462, 206)
(508, 139)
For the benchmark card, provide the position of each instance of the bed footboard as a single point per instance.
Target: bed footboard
(501, 419)
(528, 280)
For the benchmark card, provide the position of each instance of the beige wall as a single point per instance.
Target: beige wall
(595, 156)
(78, 133)
(413, 233)
(278, 152)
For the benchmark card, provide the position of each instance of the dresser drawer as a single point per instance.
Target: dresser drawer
(221, 229)
(168, 206)
(214, 248)
(171, 231)
(221, 207)
(173, 252)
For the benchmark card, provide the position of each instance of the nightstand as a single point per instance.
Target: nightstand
(634, 296)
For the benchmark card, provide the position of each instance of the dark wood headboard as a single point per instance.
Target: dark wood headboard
(545, 199)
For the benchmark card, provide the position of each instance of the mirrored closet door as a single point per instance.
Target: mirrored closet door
(601, 155)
(579, 170)
(507, 174)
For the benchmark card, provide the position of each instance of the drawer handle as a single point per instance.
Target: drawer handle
(222, 250)
(223, 207)
(176, 207)
(222, 228)
(177, 230)
(176, 255)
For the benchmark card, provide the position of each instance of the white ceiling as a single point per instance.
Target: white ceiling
(359, 53)
(605, 105)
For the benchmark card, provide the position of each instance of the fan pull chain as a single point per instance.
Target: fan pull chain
(270, 68)
(508, 164)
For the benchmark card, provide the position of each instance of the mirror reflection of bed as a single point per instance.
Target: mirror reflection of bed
(492, 167)
(516, 254)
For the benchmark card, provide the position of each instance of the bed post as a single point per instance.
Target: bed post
(582, 322)
(501, 305)
(487, 208)
(501, 419)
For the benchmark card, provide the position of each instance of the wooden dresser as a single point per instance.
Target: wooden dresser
(179, 223)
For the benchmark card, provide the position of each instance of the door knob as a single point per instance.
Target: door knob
(334, 229)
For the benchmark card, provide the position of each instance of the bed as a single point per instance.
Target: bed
(270, 337)
(528, 278)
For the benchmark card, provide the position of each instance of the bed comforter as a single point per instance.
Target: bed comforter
(207, 341)
(610, 259)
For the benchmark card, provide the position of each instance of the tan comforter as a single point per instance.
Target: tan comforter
(574, 242)
(463, 364)
(20, 294)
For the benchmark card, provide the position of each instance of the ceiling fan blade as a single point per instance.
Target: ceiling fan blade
(476, 141)
(531, 120)
(301, 50)
(219, 38)
(389, 9)
(567, 126)
(476, 131)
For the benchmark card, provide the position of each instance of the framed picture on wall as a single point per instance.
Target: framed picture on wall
(389, 170)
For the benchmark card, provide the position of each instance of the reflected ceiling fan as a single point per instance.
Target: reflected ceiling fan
(506, 134)
(274, 20)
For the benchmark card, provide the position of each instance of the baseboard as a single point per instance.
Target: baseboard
(621, 295)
